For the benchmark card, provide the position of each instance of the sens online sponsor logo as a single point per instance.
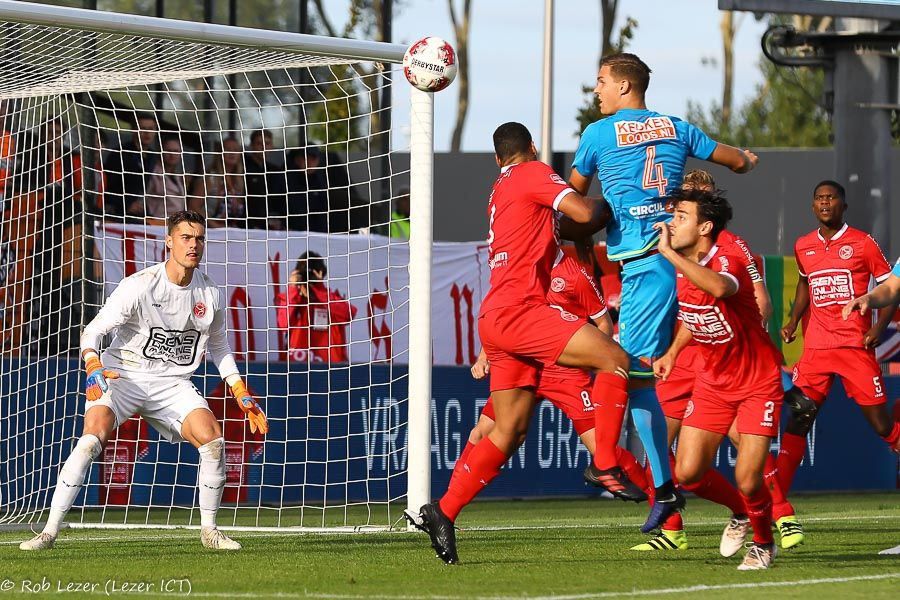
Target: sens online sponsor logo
(171, 345)
(831, 286)
(706, 323)
(632, 133)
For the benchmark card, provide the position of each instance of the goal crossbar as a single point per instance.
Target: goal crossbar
(189, 31)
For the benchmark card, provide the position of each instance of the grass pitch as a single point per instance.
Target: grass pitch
(560, 549)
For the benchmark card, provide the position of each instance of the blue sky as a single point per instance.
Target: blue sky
(506, 41)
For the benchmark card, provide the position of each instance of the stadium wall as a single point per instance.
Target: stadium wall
(363, 439)
(772, 205)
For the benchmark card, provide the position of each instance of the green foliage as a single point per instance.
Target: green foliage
(590, 110)
(784, 112)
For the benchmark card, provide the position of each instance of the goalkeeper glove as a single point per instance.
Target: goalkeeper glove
(250, 407)
(95, 384)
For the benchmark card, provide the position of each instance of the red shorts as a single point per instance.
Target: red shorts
(757, 411)
(676, 390)
(859, 371)
(520, 340)
(573, 398)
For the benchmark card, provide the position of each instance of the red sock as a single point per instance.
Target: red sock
(780, 505)
(674, 522)
(632, 467)
(610, 398)
(759, 511)
(793, 447)
(894, 436)
(458, 467)
(714, 487)
(484, 463)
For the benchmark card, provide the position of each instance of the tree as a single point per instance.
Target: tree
(461, 30)
(786, 109)
(590, 112)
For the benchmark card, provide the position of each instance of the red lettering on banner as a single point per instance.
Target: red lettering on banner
(128, 250)
(239, 301)
(380, 334)
(459, 295)
(276, 289)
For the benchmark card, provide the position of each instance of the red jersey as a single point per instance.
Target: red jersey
(838, 270)
(522, 239)
(749, 260)
(737, 352)
(573, 290)
(316, 326)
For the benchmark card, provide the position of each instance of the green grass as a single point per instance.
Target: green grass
(508, 549)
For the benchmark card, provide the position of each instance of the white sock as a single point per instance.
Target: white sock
(211, 480)
(71, 480)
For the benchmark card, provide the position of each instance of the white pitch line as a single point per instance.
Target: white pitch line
(179, 534)
(590, 596)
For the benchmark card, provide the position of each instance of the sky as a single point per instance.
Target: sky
(506, 49)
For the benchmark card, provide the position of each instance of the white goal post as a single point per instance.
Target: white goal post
(110, 123)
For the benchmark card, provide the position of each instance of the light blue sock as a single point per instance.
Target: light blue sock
(786, 382)
(650, 423)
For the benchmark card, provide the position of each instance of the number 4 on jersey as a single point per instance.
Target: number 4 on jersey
(653, 173)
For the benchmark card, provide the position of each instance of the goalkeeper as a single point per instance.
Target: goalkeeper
(164, 318)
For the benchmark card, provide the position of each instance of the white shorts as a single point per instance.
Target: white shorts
(164, 401)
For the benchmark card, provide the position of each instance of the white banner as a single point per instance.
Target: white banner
(252, 266)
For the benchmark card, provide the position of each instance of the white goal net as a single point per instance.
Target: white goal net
(305, 183)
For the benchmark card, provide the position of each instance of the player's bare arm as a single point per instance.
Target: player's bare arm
(763, 300)
(801, 304)
(578, 208)
(662, 366)
(600, 216)
(482, 366)
(715, 284)
(885, 293)
(736, 159)
(872, 337)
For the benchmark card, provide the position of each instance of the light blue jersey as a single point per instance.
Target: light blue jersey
(639, 157)
(896, 269)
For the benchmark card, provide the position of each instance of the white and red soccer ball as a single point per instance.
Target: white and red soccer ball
(430, 64)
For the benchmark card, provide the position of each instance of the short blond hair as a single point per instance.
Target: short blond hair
(698, 179)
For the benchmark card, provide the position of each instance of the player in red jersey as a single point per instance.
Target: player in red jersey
(574, 290)
(519, 331)
(740, 382)
(836, 263)
(675, 392)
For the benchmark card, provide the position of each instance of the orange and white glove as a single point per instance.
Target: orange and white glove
(250, 407)
(95, 385)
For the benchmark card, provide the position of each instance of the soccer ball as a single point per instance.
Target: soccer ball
(430, 64)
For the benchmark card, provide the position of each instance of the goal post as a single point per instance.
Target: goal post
(111, 122)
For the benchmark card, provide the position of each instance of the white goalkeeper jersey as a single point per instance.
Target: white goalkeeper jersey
(162, 328)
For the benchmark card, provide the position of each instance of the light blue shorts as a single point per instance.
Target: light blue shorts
(647, 311)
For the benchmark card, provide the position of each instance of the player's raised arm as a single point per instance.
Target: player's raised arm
(736, 159)
(717, 284)
(220, 351)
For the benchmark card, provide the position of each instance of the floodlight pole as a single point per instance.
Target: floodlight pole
(547, 92)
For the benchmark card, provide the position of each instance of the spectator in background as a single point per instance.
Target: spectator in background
(266, 185)
(167, 184)
(400, 215)
(307, 191)
(221, 193)
(126, 170)
(315, 317)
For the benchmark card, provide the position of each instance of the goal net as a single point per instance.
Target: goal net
(285, 143)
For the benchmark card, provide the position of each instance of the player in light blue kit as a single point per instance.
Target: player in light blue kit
(639, 157)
